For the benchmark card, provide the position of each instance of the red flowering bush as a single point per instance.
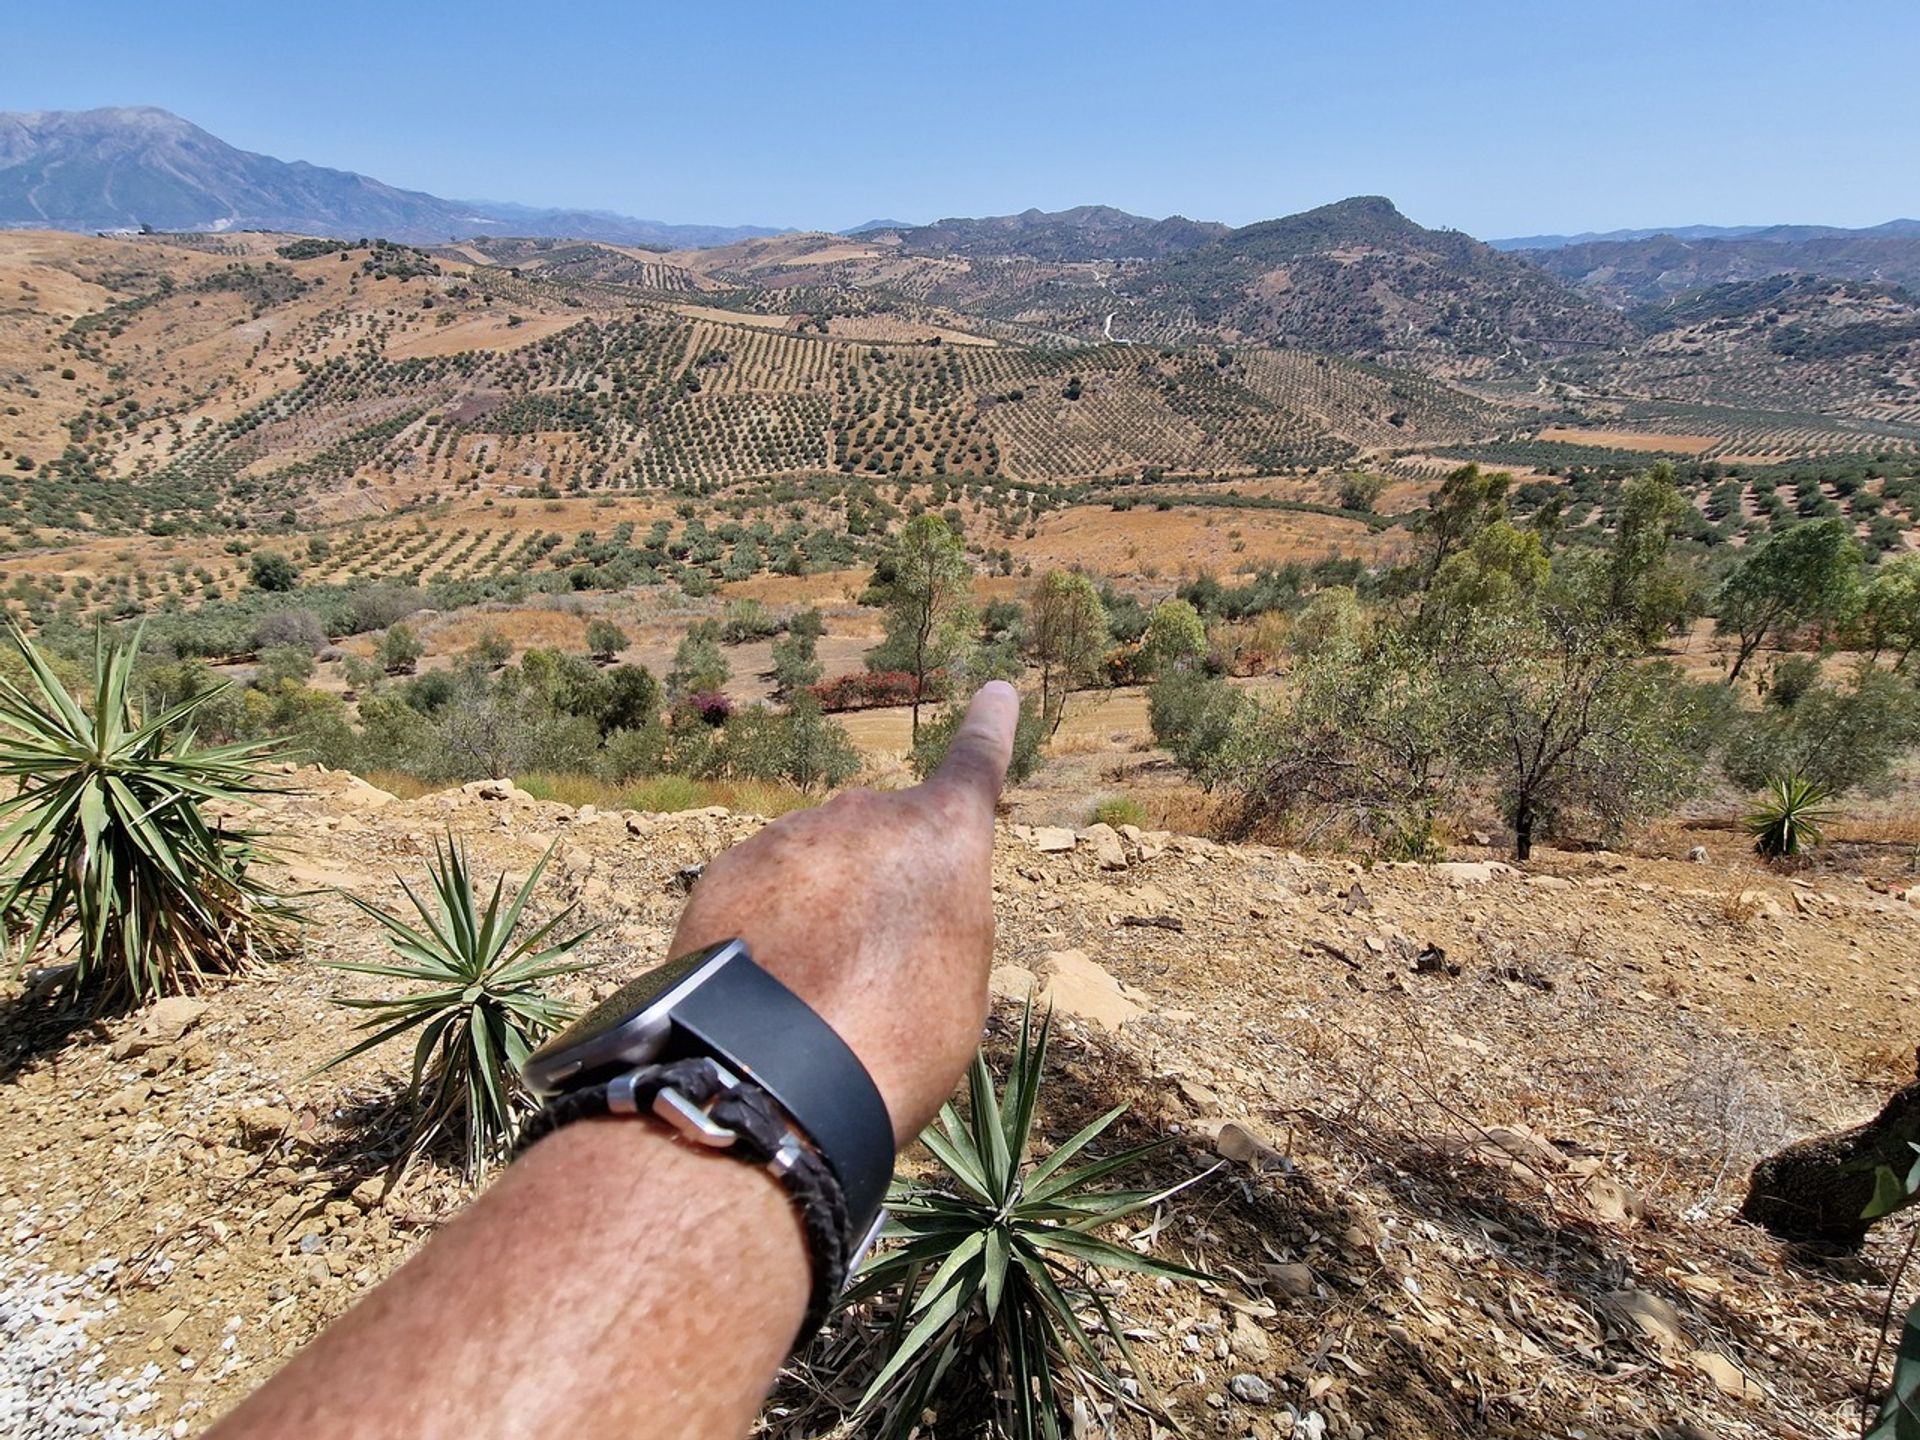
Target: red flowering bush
(867, 689)
(711, 706)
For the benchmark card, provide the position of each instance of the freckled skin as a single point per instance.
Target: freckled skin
(618, 1283)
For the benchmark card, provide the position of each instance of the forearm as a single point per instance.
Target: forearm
(615, 1282)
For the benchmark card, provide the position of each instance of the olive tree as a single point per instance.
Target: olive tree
(1569, 722)
(1890, 609)
(1369, 739)
(1175, 638)
(605, 640)
(1807, 575)
(796, 654)
(924, 586)
(1066, 637)
(698, 663)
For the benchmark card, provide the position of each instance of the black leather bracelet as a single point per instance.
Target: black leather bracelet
(743, 1121)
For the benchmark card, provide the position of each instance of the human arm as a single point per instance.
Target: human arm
(617, 1282)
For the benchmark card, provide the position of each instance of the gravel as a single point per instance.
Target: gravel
(50, 1381)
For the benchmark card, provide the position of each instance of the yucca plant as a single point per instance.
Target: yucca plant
(480, 1007)
(998, 1264)
(1788, 820)
(106, 848)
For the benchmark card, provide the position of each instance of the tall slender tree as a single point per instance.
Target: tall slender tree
(924, 585)
(1067, 633)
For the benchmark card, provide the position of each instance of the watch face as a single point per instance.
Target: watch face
(622, 1029)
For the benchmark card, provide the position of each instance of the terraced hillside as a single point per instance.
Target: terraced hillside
(214, 384)
(161, 387)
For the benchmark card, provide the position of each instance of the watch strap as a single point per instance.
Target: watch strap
(754, 1025)
(746, 1123)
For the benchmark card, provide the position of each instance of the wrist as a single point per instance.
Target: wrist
(700, 1205)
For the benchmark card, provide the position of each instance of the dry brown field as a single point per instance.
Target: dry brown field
(1637, 440)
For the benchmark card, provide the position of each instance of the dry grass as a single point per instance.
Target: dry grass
(1877, 830)
(731, 317)
(1187, 540)
(1637, 440)
(826, 587)
(1741, 908)
(1185, 809)
(530, 628)
(487, 332)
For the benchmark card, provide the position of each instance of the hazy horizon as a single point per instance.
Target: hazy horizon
(1506, 121)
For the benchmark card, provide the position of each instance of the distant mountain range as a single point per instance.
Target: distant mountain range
(1773, 233)
(1660, 267)
(1355, 277)
(1086, 232)
(134, 167)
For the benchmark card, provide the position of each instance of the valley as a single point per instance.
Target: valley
(1462, 806)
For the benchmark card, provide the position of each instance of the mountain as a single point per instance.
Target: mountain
(1649, 270)
(1784, 342)
(1704, 232)
(1359, 278)
(124, 168)
(503, 218)
(869, 226)
(1086, 232)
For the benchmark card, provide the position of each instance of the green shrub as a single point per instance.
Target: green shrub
(1360, 492)
(478, 1004)
(796, 654)
(1174, 639)
(270, 570)
(1194, 715)
(399, 650)
(635, 754)
(1841, 738)
(802, 746)
(283, 662)
(937, 734)
(748, 620)
(489, 651)
(1789, 819)
(105, 841)
(1790, 679)
(1118, 810)
(997, 1259)
(698, 664)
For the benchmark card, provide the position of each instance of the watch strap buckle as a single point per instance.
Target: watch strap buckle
(688, 1114)
(691, 1120)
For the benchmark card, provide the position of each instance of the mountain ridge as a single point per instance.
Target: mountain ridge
(1704, 232)
(134, 167)
(1627, 273)
(1081, 232)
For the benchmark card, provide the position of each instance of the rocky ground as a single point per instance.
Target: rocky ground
(1473, 1135)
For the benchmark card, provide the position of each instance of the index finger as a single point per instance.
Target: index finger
(982, 747)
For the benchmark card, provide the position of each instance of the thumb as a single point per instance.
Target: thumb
(977, 760)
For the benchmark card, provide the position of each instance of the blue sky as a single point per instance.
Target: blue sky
(1496, 118)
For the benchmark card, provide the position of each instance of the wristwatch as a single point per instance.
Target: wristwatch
(721, 1051)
